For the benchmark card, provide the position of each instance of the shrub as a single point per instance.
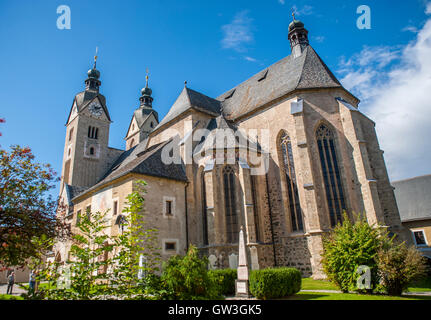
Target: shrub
(186, 278)
(274, 282)
(349, 246)
(398, 266)
(225, 279)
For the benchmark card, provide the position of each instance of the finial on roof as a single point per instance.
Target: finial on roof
(146, 78)
(185, 84)
(293, 13)
(92, 82)
(95, 58)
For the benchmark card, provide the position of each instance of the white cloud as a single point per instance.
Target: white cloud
(306, 10)
(251, 59)
(394, 84)
(411, 29)
(319, 39)
(238, 32)
(281, 1)
(428, 8)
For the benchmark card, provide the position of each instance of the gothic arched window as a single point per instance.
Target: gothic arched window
(291, 184)
(230, 207)
(204, 209)
(331, 174)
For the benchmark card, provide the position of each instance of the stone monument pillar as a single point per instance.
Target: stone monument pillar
(241, 284)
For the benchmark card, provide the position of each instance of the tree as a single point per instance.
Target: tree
(398, 266)
(137, 255)
(27, 211)
(348, 246)
(101, 265)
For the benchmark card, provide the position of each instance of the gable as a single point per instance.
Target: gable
(82, 101)
(86, 109)
(133, 127)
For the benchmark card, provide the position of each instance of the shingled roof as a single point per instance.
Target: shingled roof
(221, 133)
(304, 72)
(413, 198)
(142, 160)
(191, 99)
(73, 191)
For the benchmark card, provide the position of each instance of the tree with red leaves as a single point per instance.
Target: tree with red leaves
(27, 211)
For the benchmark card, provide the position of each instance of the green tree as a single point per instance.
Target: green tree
(83, 275)
(27, 211)
(348, 246)
(137, 254)
(104, 266)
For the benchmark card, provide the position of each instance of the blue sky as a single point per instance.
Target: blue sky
(214, 45)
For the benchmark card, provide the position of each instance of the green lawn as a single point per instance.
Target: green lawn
(422, 285)
(310, 284)
(10, 297)
(349, 296)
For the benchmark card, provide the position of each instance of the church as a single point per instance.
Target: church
(281, 155)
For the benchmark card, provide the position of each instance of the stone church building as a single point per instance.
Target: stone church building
(301, 154)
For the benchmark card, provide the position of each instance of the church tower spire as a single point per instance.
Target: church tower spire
(146, 99)
(298, 37)
(92, 83)
(144, 118)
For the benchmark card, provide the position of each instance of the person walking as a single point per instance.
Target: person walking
(10, 282)
(32, 281)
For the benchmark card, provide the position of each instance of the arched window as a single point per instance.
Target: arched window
(291, 184)
(230, 207)
(204, 209)
(331, 174)
(92, 151)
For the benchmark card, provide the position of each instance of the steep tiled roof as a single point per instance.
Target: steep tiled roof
(191, 99)
(143, 161)
(141, 114)
(218, 132)
(413, 198)
(303, 72)
(73, 191)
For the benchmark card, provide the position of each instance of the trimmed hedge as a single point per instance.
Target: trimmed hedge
(274, 283)
(225, 279)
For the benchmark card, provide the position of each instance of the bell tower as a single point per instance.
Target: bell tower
(298, 37)
(87, 135)
(144, 118)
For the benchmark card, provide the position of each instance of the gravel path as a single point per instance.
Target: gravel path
(16, 291)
